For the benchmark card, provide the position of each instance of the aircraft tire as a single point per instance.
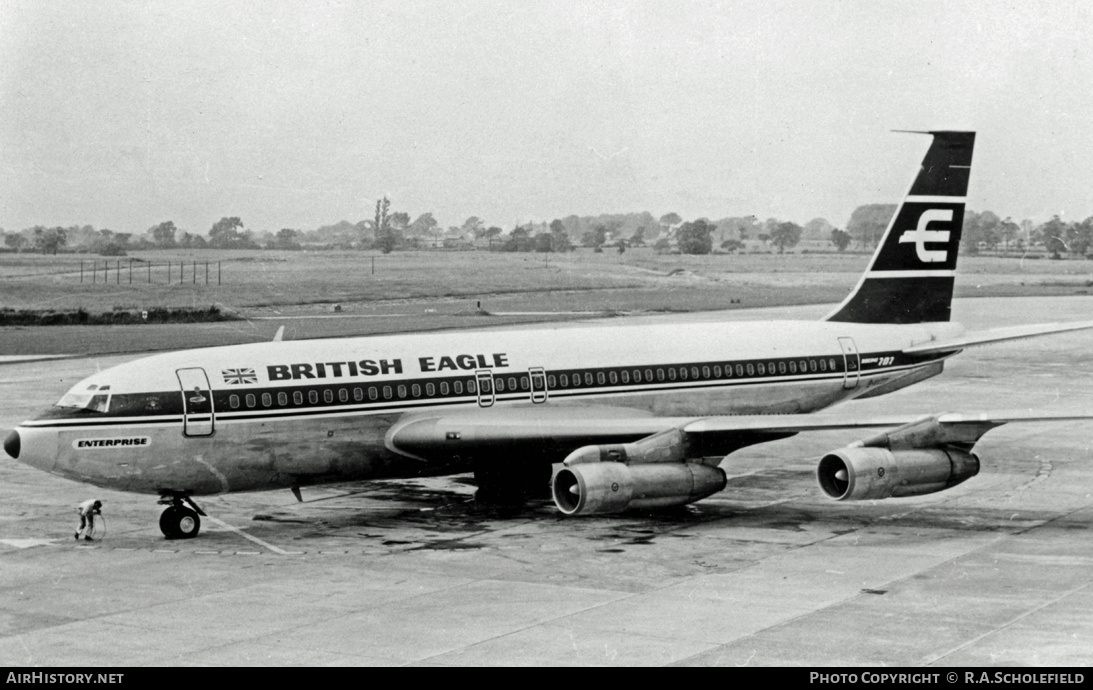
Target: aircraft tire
(179, 522)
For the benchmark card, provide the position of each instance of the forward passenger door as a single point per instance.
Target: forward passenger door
(197, 402)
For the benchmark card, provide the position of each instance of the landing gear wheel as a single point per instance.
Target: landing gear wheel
(179, 522)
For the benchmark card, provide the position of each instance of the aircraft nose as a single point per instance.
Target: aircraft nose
(12, 444)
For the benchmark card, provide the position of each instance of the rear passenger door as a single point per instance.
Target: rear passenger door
(852, 362)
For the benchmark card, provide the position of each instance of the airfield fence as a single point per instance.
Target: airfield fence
(164, 273)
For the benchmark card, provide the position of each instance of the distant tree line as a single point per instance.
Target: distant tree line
(391, 230)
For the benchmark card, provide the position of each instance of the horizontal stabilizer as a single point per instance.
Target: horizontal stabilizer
(994, 336)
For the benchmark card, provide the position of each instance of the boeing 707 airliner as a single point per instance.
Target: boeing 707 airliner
(639, 415)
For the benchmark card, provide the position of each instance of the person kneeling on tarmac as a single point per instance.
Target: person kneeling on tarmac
(88, 510)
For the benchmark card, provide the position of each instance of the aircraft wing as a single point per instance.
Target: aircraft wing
(994, 336)
(554, 430)
(828, 421)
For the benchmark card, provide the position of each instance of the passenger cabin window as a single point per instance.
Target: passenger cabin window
(387, 393)
(282, 399)
(588, 378)
(313, 397)
(430, 389)
(233, 400)
(402, 391)
(499, 384)
(251, 400)
(298, 398)
(267, 400)
(328, 396)
(443, 387)
(358, 395)
(457, 386)
(373, 394)
(471, 387)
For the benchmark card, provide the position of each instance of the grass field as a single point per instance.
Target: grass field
(419, 291)
(255, 283)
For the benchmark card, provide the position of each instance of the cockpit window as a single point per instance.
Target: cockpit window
(91, 400)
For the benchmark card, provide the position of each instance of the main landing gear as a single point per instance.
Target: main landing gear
(178, 521)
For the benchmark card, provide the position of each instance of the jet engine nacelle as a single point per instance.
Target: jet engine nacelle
(856, 474)
(611, 487)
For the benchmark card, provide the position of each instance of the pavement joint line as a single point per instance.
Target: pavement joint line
(888, 586)
(253, 538)
(1013, 621)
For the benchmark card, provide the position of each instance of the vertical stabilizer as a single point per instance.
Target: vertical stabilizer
(910, 278)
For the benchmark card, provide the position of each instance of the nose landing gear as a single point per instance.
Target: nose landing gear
(178, 521)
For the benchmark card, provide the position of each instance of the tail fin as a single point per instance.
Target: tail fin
(910, 279)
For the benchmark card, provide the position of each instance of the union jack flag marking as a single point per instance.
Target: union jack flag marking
(238, 377)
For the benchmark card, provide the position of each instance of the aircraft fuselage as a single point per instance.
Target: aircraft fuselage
(285, 414)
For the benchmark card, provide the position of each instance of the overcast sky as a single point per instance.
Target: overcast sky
(299, 114)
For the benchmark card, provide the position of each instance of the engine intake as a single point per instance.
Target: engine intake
(858, 474)
(611, 487)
